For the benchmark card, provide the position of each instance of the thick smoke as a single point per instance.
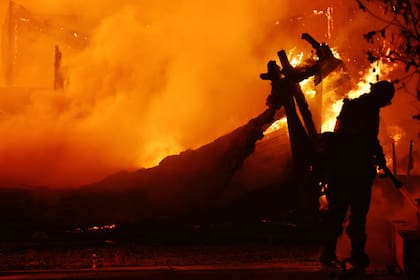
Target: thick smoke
(156, 78)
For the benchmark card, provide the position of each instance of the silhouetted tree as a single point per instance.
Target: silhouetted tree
(398, 39)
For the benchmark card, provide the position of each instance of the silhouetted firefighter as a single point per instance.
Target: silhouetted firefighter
(345, 160)
(285, 91)
(353, 155)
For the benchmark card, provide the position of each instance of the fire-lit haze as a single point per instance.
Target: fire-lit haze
(144, 79)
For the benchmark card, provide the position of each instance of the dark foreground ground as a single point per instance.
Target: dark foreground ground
(220, 246)
(264, 250)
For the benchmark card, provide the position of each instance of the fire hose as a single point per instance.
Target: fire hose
(399, 186)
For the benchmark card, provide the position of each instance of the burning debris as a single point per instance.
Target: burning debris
(186, 181)
(143, 114)
(123, 117)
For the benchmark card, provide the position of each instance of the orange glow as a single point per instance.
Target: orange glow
(151, 79)
(396, 133)
(142, 80)
(279, 124)
(105, 227)
(363, 86)
(333, 104)
(323, 202)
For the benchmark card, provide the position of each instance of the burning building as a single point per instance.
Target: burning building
(96, 64)
(144, 82)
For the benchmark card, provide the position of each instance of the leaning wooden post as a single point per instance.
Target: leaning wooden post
(301, 140)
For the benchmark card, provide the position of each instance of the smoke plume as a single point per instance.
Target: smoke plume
(155, 78)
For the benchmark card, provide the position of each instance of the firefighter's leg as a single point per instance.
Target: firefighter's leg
(359, 205)
(332, 227)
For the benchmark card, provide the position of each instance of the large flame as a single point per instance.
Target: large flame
(155, 78)
(333, 102)
(144, 79)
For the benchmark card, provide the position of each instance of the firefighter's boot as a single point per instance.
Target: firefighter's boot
(328, 258)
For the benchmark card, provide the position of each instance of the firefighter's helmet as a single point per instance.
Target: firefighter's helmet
(383, 92)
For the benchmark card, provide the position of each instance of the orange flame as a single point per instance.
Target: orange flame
(144, 80)
(152, 79)
(334, 104)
